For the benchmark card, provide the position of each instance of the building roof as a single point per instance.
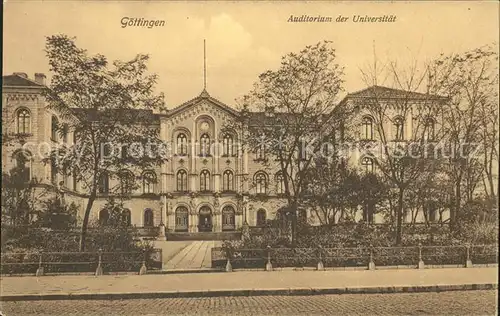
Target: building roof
(204, 95)
(143, 115)
(16, 80)
(390, 93)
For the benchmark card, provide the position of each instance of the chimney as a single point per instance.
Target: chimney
(21, 74)
(40, 78)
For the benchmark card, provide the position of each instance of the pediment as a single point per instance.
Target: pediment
(203, 104)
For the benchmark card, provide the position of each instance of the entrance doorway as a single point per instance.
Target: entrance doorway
(205, 220)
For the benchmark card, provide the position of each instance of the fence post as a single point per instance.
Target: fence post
(39, 271)
(468, 262)
(421, 264)
(143, 269)
(98, 271)
(371, 264)
(269, 266)
(320, 260)
(229, 267)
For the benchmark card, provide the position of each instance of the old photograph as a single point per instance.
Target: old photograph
(249, 158)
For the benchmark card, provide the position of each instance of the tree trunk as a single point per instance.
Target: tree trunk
(294, 224)
(86, 217)
(454, 216)
(399, 219)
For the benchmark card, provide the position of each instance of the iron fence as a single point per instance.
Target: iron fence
(61, 262)
(355, 257)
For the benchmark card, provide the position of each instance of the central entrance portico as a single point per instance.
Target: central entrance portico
(205, 219)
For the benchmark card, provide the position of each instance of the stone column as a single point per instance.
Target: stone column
(163, 217)
(192, 173)
(245, 171)
(217, 221)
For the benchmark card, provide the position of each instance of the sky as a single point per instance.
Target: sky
(242, 39)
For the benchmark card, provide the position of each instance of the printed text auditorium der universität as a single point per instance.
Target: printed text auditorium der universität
(355, 18)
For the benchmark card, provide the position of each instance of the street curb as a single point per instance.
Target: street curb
(253, 292)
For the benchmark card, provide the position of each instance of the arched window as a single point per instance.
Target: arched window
(260, 151)
(23, 121)
(261, 217)
(103, 217)
(227, 181)
(398, 128)
(76, 137)
(205, 180)
(53, 171)
(368, 211)
(103, 185)
(280, 183)
(148, 218)
(148, 182)
(54, 125)
(429, 129)
(260, 179)
(181, 219)
(126, 182)
(302, 215)
(182, 180)
(431, 211)
(182, 147)
(127, 217)
(23, 164)
(367, 128)
(227, 144)
(228, 218)
(75, 179)
(65, 133)
(367, 164)
(205, 145)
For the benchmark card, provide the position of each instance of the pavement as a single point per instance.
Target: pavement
(429, 303)
(186, 255)
(246, 283)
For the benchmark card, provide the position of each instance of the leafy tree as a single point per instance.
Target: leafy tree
(57, 215)
(19, 197)
(108, 107)
(116, 214)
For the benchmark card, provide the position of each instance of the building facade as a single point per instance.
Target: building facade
(205, 187)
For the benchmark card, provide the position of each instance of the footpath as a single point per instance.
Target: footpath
(64, 287)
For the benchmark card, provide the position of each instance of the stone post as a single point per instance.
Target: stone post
(421, 264)
(320, 260)
(245, 232)
(468, 262)
(39, 271)
(98, 271)
(269, 266)
(371, 264)
(229, 267)
(143, 269)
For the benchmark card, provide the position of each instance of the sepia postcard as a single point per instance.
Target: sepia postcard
(250, 158)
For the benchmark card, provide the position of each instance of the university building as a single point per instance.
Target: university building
(193, 191)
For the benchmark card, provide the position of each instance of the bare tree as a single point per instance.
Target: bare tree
(470, 121)
(297, 112)
(405, 128)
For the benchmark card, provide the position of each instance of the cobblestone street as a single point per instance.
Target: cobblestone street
(445, 303)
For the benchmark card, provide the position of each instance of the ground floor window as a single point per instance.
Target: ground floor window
(148, 218)
(228, 218)
(261, 217)
(181, 219)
